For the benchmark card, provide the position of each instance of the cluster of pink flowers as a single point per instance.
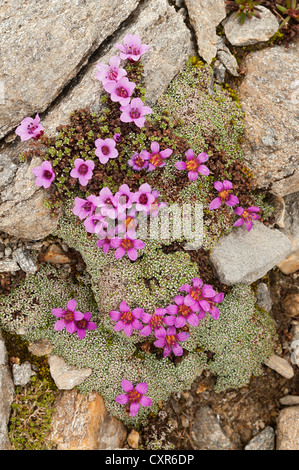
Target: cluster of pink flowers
(145, 160)
(73, 320)
(115, 81)
(103, 211)
(164, 322)
(225, 196)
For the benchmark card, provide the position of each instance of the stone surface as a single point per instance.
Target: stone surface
(55, 255)
(160, 26)
(291, 305)
(207, 433)
(133, 439)
(44, 37)
(244, 257)
(22, 210)
(290, 227)
(65, 376)
(205, 16)
(6, 395)
(22, 373)
(263, 297)
(289, 400)
(40, 348)
(269, 95)
(265, 440)
(81, 422)
(8, 266)
(281, 366)
(254, 30)
(226, 57)
(288, 429)
(25, 260)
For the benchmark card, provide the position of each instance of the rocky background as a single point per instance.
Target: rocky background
(48, 54)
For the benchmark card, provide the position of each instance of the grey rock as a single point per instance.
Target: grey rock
(8, 266)
(207, 433)
(6, 396)
(269, 95)
(263, 297)
(254, 30)
(44, 36)
(288, 429)
(226, 57)
(112, 433)
(281, 366)
(40, 348)
(244, 257)
(160, 26)
(265, 440)
(25, 260)
(66, 377)
(22, 373)
(205, 16)
(290, 227)
(289, 400)
(219, 71)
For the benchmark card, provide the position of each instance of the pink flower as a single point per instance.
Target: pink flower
(127, 245)
(110, 73)
(194, 165)
(68, 317)
(144, 198)
(108, 204)
(200, 293)
(247, 216)
(105, 149)
(95, 223)
(135, 112)
(132, 48)
(225, 195)
(134, 396)
(157, 157)
(44, 174)
(83, 170)
(84, 208)
(117, 137)
(30, 128)
(183, 312)
(139, 161)
(84, 324)
(121, 91)
(128, 221)
(154, 322)
(105, 239)
(124, 198)
(169, 340)
(127, 320)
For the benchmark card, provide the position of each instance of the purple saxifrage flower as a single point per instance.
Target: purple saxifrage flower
(83, 170)
(117, 137)
(144, 198)
(124, 197)
(134, 396)
(84, 207)
(129, 245)
(131, 49)
(170, 340)
(121, 91)
(127, 319)
(224, 189)
(95, 223)
(200, 293)
(105, 149)
(105, 239)
(44, 174)
(246, 216)
(110, 73)
(194, 165)
(135, 112)
(30, 128)
(139, 161)
(157, 157)
(154, 322)
(67, 317)
(84, 324)
(108, 205)
(183, 312)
